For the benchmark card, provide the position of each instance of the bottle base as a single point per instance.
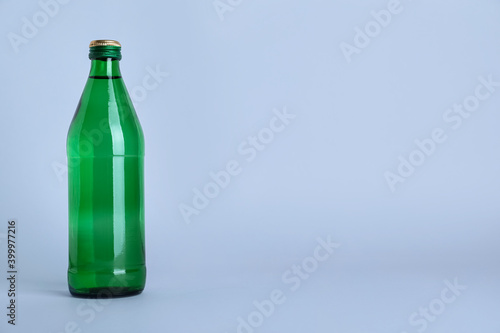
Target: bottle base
(111, 292)
(107, 283)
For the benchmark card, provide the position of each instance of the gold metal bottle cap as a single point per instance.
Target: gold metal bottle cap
(104, 42)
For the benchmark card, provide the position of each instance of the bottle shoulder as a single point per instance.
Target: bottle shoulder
(105, 123)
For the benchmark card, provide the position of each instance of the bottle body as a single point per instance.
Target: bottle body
(105, 148)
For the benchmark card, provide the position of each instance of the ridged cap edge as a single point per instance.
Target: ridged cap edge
(104, 42)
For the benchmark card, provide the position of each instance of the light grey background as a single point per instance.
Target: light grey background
(323, 176)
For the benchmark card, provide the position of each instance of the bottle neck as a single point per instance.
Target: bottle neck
(105, 68)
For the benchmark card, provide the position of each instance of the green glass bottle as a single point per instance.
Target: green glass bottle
(105, 149)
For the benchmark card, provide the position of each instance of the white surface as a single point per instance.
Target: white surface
(334, 299)
(322, 175)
